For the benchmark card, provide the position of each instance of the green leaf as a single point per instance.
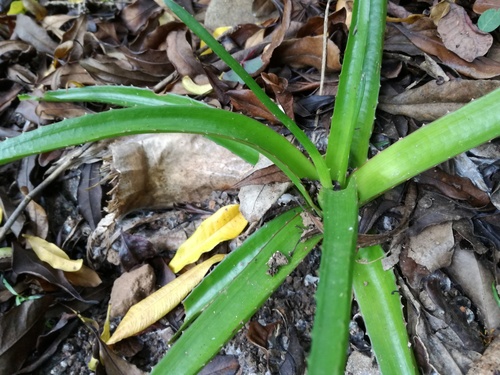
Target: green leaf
(132, 97)
(238, 260)
(489, 20)
(470, 126)
(176, 119)
(378, 298)
(330, 332)
(228, 312)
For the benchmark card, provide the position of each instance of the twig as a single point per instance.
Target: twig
(30, 196)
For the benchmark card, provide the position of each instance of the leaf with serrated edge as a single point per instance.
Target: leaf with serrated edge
(51, 254)
(155, 306)
(226, 224)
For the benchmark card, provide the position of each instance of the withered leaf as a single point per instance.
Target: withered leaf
(456, 187)
(246, 102)
(221, 365)
(30, 32)
(307, 52)
(259, 334)
(136, 15)
(461, 36)
(432, 100)
(89, 194)
(263, 176)
(423, 34)
(180, 53)
(480, 6)
(20, 326)
(134, 250)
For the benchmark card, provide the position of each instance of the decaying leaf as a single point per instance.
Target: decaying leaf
(167, 157)
(432, 100)
(53, 255)
(227, 223)
(155, 306)
(461, 36)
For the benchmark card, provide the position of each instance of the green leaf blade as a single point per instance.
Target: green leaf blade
(378, 298)
(470, 126)
(228, 312)
(330, 333)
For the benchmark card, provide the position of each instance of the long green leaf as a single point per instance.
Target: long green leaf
(330, 333)
(378, 298)
(228, 312)
(179, 119)
(470, 126)
(204, 35)
(125, 96)
(368, 96)
(350, 93)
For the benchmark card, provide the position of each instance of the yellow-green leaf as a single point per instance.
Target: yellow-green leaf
(225, 224)
(51, 254)
(155, 306)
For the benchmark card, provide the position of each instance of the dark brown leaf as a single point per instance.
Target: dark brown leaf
(136, 15)
(246, 102)
(180, 53)
(267, 175)
(259, 334)
(307, 52)
(19, 327)
(455, 187)
(134, 250)
(90, 194)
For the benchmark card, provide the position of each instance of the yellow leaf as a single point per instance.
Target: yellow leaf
(16, 7)
(225, 224)
(216, 34)
(106, 333)
(154, 307)
(51, 254)
(194, 88)
(85, 277)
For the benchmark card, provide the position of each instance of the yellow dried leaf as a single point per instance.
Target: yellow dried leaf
(218, 32)
(51, 254)
(194, 88)
(154, 307)
(85, 277)
(226, 224)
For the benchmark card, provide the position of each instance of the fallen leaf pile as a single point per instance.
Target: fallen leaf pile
(141, 220)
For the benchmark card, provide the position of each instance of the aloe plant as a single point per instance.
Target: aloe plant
(211, 316)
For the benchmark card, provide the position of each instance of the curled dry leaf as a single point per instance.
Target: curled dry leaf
(152, 308)
(53, 255)
(227, 223)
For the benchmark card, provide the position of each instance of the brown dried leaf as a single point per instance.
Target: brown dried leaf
(461, 36)
(221, 365)
(456, 187)
(89, 194)
(20, 326)
(267, 175)
(246, 102)
(423, 34)
(307, 52)
(37, 215)
(138, 14)
(180, 53)
(279, 86)
(10, 49)
(432, 101)
(30, 32)
(110, 70)
(259, 335)
(480, 6)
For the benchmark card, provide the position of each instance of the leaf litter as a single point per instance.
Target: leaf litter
(437, 60)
